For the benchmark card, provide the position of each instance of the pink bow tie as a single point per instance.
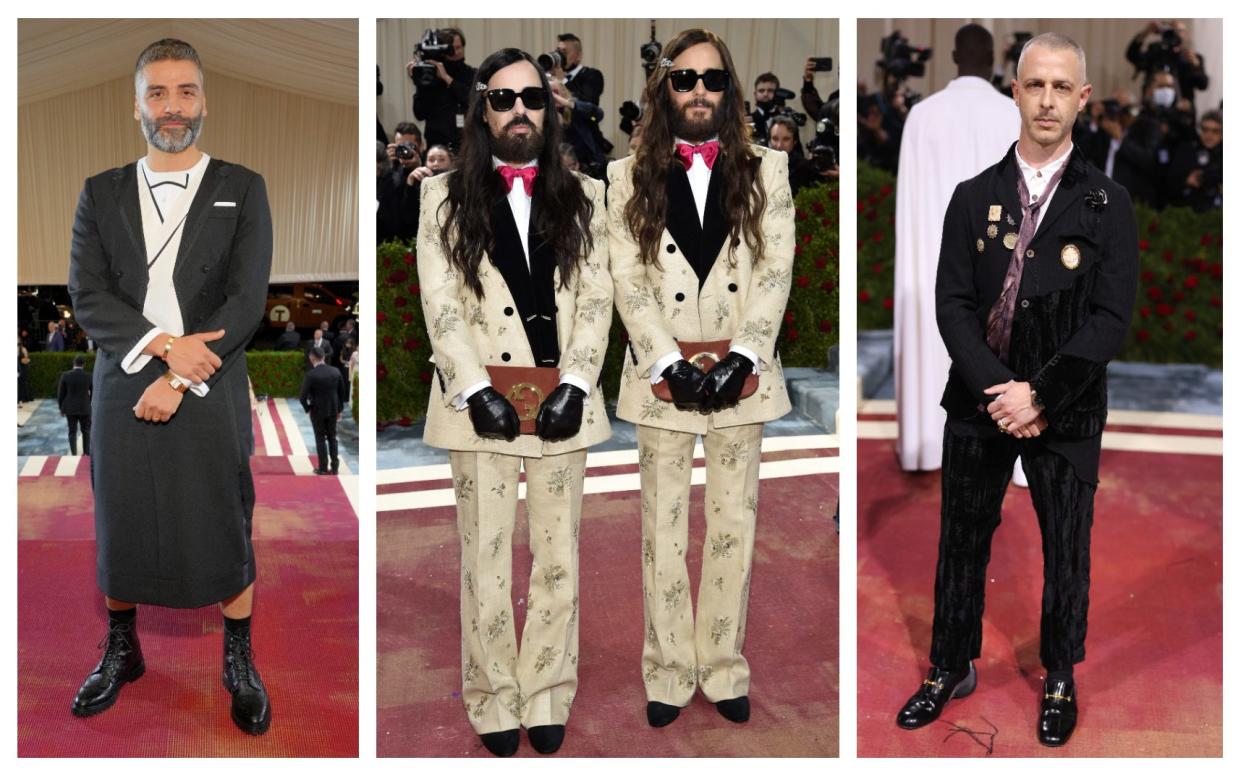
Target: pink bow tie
(527, 175)
(709, 150)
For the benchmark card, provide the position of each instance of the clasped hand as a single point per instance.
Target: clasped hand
(1014, 411)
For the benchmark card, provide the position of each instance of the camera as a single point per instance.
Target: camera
(630, 113)
(551, 60)
(405, 152)
(824, 147)
(902, 60)
(433, 47)
(649, 52)
(1163, 54)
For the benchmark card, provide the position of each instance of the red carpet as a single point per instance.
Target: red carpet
(305, 632)
(1155, 614)
(791, 639)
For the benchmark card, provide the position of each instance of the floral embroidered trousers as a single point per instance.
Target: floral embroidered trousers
(684, 651)
(504, 688)
(975, 476)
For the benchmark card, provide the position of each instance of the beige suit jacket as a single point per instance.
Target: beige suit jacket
(739, 301)
(468, 334)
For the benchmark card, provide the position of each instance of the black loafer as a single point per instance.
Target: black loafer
(121, 663)
(503, 743)
(1058, 714)
(660, 714)
(734, 709)
(546, 739)
(939, 687)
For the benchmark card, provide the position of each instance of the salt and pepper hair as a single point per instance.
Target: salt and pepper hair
(164, 49)
(1055, 41)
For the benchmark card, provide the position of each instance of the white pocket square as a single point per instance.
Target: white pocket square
(226, 204)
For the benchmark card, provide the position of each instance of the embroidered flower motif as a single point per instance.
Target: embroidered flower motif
(476, 711)
(517, 706)
(651, 637)
(645, 344)
(594, 308)
(722, 545)
(648, 553)
(463, 486)
(646, 457)
(674, 595)
(718, 584)
(559, 479)
(637, 298)
(497, 542)
(582, 359)
(471, 670)
(720, 628)
(648, 675)
(573, 616)
(674, 512)
(775, 280)
(495, 628)
(446, 321)
(734, 453)
(467, 580)
(477, 318)
(545, 658)
(499, 489)
(704, 674)
(688, 678)
(554, 576)
(722, 311)
(756, 332)
(653, 408)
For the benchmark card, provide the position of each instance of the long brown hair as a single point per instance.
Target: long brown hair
(741, 189)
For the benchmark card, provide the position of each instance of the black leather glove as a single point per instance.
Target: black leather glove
(686, 383)
(560, 414)
(725, 381)
(492, 415)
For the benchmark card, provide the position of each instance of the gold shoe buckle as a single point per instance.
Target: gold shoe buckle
(1056, 697)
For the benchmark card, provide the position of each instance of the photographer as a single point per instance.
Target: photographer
(1173, 51)
(398, 204)
(782, 135)
(1141, 161)
(1196, 172)
(810, 99)
(765, 105)
(442, 82)
(577, 90)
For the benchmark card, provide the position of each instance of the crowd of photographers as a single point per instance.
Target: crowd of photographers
(1165, 149)
(442, 81)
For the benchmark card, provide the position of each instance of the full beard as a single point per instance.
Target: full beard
(697, 130)
(172, 141)
(518, 149)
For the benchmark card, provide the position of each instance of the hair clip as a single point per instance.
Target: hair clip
(665, 62)
(480, 87)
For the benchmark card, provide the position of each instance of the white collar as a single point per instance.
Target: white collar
(497, 162)
(1048, 169)
(196, 168)
(677, 141)
(573, 73)
(970, 81)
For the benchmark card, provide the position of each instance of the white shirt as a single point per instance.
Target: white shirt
(519, 202)
(1037, 179)
(164, 200)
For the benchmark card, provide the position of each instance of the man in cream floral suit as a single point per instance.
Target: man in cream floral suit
(512, 260)
(701, 235)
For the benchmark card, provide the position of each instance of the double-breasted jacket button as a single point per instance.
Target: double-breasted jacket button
(672, 248)
(505, 357)
(680, 297)
(206, 268)
(508, 311)
(1030, 253)
(732, 287)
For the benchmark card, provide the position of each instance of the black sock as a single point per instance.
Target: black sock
(1060, 675)
(240, 625)
(122, 616)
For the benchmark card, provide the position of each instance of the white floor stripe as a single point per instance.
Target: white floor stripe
(271, 440)
(34, 466)
(67, 466)
(627, 457)
(301, 464)
(1184, 420)
(297, 445)
(349, 484)
(612, 483)
(26, 410)
(876, 429)
(877, 407)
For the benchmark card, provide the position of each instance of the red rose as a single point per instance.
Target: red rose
(425, 376)
(411, 344)
(885, 189)
(861, 206)
(1164, 309)
(400, 301)
(409, 258)
(381, 372)
(805, 240)
(790, 335)
(820, 263)
(1154, 227)
(803, 281)
(413, 289)
(801, 214)
(1191, 282)
(863, 296)
(825, 325)
(1154, 294)
(1190, 315)
(1143, 335)
(387, 340)
(1206, 240)
(788, 316)
(1145, 312)
(877, 268)
(877, 237)
(834, 195)
(827, 221)
(797, 250)
(1191, 334)
(1143, 245)
(817, 208)
(381, 316)
(407, 317)
(1148, 276)
(400, 276)
(887, 303)
(827, 285)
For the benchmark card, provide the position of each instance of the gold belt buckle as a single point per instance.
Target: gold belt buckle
(519, 396)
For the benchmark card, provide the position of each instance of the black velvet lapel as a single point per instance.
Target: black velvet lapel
(681, 218)
(714, 228)
(507, 255)
(543, 339)
(533, 294)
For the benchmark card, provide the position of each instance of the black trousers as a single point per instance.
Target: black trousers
(74, 422)
(976, 471)
(325, 440)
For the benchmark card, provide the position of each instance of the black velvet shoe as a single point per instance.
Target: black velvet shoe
(940, 686)
(546, 738)
(121, 663)
(735, 709)
(251, 709)
(502, 744)
(1058, 715)
(660, 714)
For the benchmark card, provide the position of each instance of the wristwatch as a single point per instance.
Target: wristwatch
(178, 385)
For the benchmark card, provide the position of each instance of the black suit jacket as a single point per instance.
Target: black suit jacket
(73, 392)
(325, 345)
(289, 340)
(1069, 321)
(324, 392)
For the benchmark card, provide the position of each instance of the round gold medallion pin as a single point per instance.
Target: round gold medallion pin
(992, 231)
(1070, 256)
(1010, 240)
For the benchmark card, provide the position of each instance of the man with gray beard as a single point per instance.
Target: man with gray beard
(169, 266)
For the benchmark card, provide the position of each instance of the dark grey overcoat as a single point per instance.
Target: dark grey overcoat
(173, 501)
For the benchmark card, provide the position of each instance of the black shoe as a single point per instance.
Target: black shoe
(660, 714)
(546, 738)
(320, 471)
(735, 709)
(1058, 715)
(251, 709)
(121, 663)
(502, 744)
(940, 686)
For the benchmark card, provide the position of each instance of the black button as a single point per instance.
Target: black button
(119, 273)
(505, 357)
(1025, 303)
(672, 248)
(732, 287)
(206, 268)
(680, 297)
(508, 311)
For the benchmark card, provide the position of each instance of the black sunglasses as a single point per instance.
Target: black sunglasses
(684, 80)
(503, 100)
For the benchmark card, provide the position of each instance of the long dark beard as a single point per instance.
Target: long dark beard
(697, 130)
(517, 148)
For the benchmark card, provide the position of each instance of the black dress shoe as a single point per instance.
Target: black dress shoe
(660, 714)
(320, 471)
(251, 709)
(502, 744)
(1058, 715)
(940, 686)
(546, 738)
(734, 709)
(121, 663)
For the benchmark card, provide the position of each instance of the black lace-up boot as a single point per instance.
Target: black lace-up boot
(121, 663)
(251, 710)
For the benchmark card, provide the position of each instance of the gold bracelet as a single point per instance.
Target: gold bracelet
(168, 347)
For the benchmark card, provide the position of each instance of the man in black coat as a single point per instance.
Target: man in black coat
(1037, 276)
(169, 267)
(73, 396)
(289, 339)
(319, 340)
(442, 103)
(323, 396)
(585, 85)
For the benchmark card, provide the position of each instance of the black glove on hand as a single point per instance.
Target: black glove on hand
(492, 415)
(725, 381)
(560, 415)
(687, 384)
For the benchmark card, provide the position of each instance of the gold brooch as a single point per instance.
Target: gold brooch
(980, 245)
(993, 213)
(992, 231)
(1070, 256)
(1010, 240)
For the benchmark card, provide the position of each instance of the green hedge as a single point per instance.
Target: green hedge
(271, 373)
(811, 324)
(1178, 317)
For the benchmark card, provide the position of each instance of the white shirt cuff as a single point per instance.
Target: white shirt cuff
(657, 371)
(576, 382)
(199, 389)
(135, 360)
(750, 354)
(460, 400)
